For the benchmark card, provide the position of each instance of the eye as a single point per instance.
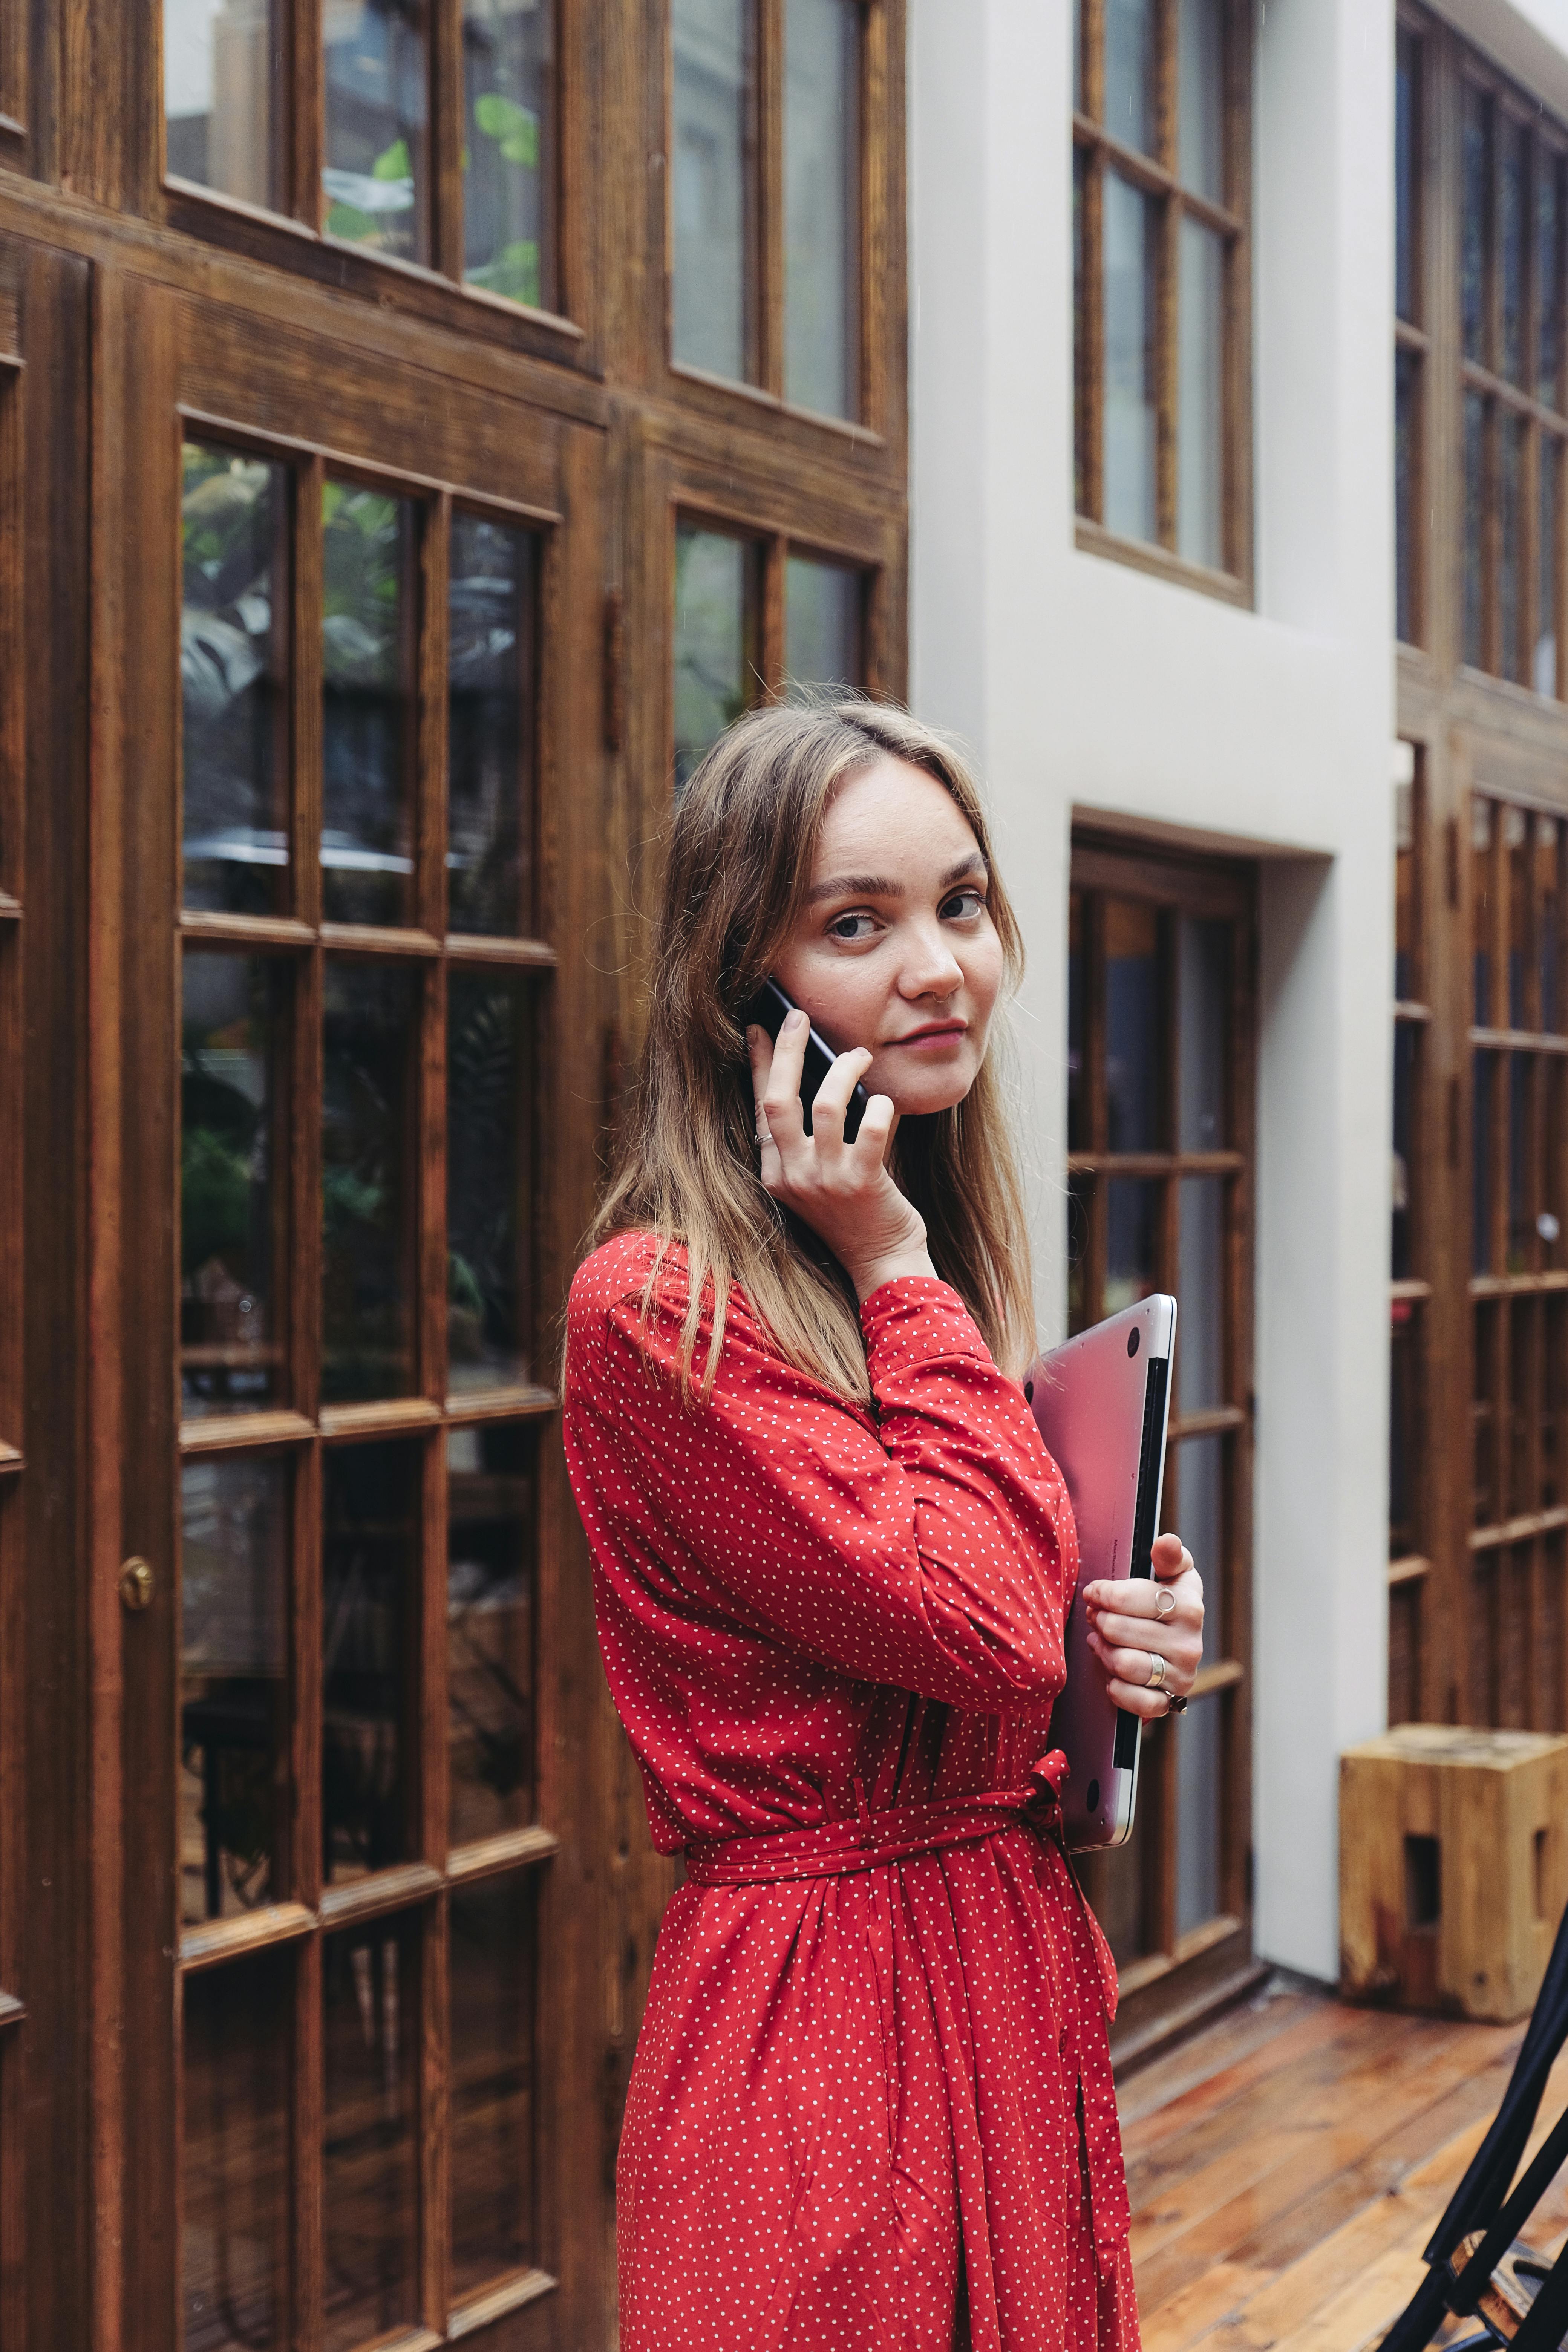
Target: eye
(963, 905)
(853, 928)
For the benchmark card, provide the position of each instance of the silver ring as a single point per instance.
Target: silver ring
(1156, 1671)
(1174, 1706)
(1164, 1602)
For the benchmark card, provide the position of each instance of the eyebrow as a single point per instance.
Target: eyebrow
(872, 885)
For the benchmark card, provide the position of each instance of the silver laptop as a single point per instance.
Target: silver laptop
(1101, 1403)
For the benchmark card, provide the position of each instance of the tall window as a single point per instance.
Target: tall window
(1410, 341)
(1161, 195)
(1409, 1499)
(766, 152)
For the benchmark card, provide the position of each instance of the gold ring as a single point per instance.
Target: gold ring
(1156, 1671)
(1165, 1596)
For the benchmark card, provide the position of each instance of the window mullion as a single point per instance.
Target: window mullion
(307, 114)
(435, 2118)
(447, 132)
(768, 242)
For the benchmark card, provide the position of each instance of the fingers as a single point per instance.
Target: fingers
(1142, 1596)
(1168, 1558)
(831, 1104)
(1126, 1672)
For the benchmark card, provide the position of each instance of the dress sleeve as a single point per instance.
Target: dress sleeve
(930, 1548)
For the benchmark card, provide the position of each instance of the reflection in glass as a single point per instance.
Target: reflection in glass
(1404, 1427)
(715, 624)
(1548, 923)
(1483, 1114)
(509, 245)
(232, 1039)
(234, 2233)
(490, 1178)
(1202, 968)
(1082, 454)
(370, 1589)
(1200, 98)
(1515, 830)
(1549, 281)
(1475, 235)
(1131, 235)
(1484, 1410)
(1083, 1306)
(1133, 1205)
(370, 2194)
(491, 1474)
(1515, 213)
(234, 513)
(1475, 526)
(1543, 666)
(377, 109)
(1407, 183)
(1406, 1053)
(1130, 27)
(822, 204)
(492, 626)
(1200, 471)
(1133, 1010)
(712, 191)
(369, 1153)
(1406, 420)
(1200, 1508)
(1405, 981)
(234, 1692)
(223, 59)
(1077, 996)
(1197, 1814)
(494, 1969)
(1200, 1350)
(1510, 526)
(822, 623)
(1482, 913)
(1520, 1223)
(369, 707)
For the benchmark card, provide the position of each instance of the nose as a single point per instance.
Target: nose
(930, 968)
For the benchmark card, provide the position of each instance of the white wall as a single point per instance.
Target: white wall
(1082, 682)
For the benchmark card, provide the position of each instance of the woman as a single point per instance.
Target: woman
(871, 2105)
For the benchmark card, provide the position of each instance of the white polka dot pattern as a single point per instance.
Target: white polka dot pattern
(848, 2090)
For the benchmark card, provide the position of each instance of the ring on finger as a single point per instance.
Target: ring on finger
(1174, 1706)
(1164, 1602)
(1156, 1671)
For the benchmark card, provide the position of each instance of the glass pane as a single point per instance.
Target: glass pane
(1483, 1118)
(1482, 913)
(494, 1972)
(822, 623)
(715, 613)
(491, 621)
(369, 666)
(1544, 667)
(1511, 523)
(1078, 41)
(369, 1165)
(233, 2234)
(1133, 1251)
(1082, 490)
(822, 204)
(233, 682)
(1548, 922)
(1201, 1287)
(1197, 1815)
(1485, 1411)
(1515, 214)
(1129, 113)
(235, 1802)
(1406, 1162)
(1475, 528)
(1200, 97)
(223, 60)
(1549, 279)
(377, 110)
(1200, 1517)
(1406, 169)
(369, 1615)
(1520, 1217)
(1475, 229)
(1202, 954)
(490, 1178)
(1515, 830)
(370, 2200)
(1406, 977)
(1404, 1429)
(713, 192)
(1119, 1902)
(1083, 1307)
(231, 1210)
(1078, 987)
(493, 1500)
(1407, 426)
(508, 160)
(1200, 444)
(1131, 230)
(1134, 1004)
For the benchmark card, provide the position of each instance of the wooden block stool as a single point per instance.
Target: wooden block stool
(1453, 1868)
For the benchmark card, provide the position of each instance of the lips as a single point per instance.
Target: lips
(939, 1029)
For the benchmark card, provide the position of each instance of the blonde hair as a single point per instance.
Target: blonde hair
(740, 850)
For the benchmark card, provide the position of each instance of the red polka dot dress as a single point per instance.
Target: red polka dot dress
(871, 2091)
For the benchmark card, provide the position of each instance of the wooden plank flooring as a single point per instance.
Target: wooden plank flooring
(1287, 2167)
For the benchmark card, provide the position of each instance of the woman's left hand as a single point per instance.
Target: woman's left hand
(1144, 1617)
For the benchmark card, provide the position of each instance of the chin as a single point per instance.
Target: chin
(924, 1102)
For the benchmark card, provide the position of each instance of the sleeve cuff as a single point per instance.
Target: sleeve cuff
(917, 1320)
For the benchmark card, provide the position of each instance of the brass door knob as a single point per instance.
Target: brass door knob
(136, 1584)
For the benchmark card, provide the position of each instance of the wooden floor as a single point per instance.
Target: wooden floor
(1287, 2166)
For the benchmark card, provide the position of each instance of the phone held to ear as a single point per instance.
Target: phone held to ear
(767, 1009)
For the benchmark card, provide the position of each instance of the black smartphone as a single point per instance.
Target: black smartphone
(767, 1009)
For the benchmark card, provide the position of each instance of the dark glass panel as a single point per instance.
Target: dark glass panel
(509, 151)
(715, 639)
(370, 1623)
(1524, 1332)
(1406, 480)
(234, 679)
(234, 1799)
(822, 623)
(1554, 1402)
(1482, 912)
(1515, 220)
(1406, 978)
(1551, 1250)
(1199, 1500)
(370, 2200)
(1549, 279)
(1200, 396)
(1483, 1118)
(1510, 548)
(376, 63)
(369, 738)
(1084, 490)
(1203, 973)
(1129, 109)
(1132, 1206)
(490, 1178)
(223, 68)
(1516, 850)
(1201, 1287)
(1200, 97)
(1548, 885)
(233, 1181)
(492, 622)
(1520, 1220)
(1083, 1306)
(1406, 1160)
(822, 204)
(369, 1165)
(234, 2233)
(1544, 666)
(1475, 235)
(494, 1973)
(1485, 1411)
(1404, 1630)
(1131, 236)
(1121, 1901)
(1198, 1767)
(1406, 173)
(712, 195)
(1475, 528)
(1079, 1133)
(491, 1556)
(1404, 1429)
(1134, 1009)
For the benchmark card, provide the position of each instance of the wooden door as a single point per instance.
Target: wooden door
(358, 1105)
(1161, 1054)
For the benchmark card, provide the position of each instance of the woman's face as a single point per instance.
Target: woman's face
(895, 948)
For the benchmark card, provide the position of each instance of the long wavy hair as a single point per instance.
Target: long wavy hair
(740, 851)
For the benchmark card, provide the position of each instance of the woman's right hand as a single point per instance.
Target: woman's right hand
(842, 1191)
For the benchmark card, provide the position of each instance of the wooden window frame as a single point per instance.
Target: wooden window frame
(1410, 1294)
(1157, 176)
(13, 1261)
